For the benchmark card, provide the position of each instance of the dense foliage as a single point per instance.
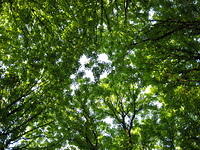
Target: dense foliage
(148, 99)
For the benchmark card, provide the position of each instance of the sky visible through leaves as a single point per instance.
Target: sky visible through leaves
(100, 75)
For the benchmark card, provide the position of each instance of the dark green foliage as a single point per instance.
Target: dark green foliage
(149, 98)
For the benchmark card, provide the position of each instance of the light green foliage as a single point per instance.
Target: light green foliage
(149, 98)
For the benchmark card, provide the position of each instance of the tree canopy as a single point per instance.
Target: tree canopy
(144, 94)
